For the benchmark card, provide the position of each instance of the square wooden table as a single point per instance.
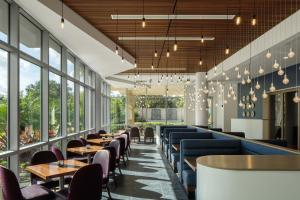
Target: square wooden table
(85, 151)
(53, 170)
(99, 141)
(176, 147)
(110, 135)
(191, 161)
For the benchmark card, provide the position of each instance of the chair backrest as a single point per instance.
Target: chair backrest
(238, 134)
(125, 139)
(86, 183)
(71, 144)
(134, 132)
(92, 136)
(112, 157)
(116, 145)
(149, 132)
(102, 158)
(101, 132)
(122, 145)
(9, 184)
(84, 142)
(57, 152)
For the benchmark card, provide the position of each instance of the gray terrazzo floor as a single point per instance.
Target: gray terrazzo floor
(147, 176)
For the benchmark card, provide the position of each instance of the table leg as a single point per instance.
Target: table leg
(61, 183)
(89, 159)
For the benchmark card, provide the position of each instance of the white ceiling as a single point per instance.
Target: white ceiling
(89, 44)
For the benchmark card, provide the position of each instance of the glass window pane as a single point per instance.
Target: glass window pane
(4, 163)
(70, 65)
(29, 103)
(3, 99)
(30, 38)
(70, 107)
(3, 21)
(81, 109)
(89, 81)
(81, 73)
(54, 54)
(54, 105)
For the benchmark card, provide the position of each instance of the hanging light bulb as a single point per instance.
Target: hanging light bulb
(236, 68)
(200, 62)
(227, 51)
(168, 53)
(246, 71)
(257, 86)
(225, 101)
(243, 81)
(175, 46)
(280, 71)
(238, 20)
(232, 92)
(152, 66)
(268, 54)
(254, 98)
(135, 64)
(272, 87)
(62, 23)
(227, 78)
(239, 75)
(253, 20)
(206, 75)
(228, 95)
(122, 59)
(223, 73)
(291, 53)
(117, 50)
(264, 95)
(248, 79)
(143, 22)
(285, 80)
(296, 99)
(261, 70)
(275, 65)
(230, 87)
(234, 98)
(155, 53)
(241, 103)
(202, 39)
(251, 91)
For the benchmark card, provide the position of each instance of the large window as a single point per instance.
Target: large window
(3, 99)
(30, 38)
(29, 103)
(54, 105)
(70, 107)
(3, 21)
(81, 109)
(70, 65)
(81, 73)
(54, 54)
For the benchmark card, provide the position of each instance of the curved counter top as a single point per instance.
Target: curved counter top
(248, 177)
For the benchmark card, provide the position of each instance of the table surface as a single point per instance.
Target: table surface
(191, 161)
(52, 170)
(84, 150)
(99, 141)
(252, 162)
(110, 134)
(176, 147)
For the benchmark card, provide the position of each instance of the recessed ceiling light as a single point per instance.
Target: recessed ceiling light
(177, 17)
(167, 38)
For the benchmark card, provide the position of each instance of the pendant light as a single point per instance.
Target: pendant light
(272, 87)
(117, 48)
(243, 81)
(275, 65)
(269, 54)
(296, 99)
(285, 80)
(254, 20)
(168, 51)
(248, 80)
(254, 98)
(175, 47)
(62, 20)
(238, 18)
(280, 71)
(143, 20)
(261, 70)
(251, 91)
(135, 64)
(291, 53)
(202, 39)
(257, 86)
(227, 51)
(236, 68)
(239, 75)
(200, 59)
(155, 51)
(246, 71)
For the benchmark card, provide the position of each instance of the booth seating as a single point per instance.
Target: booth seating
(282, 143)
(167, 131)
(162, 128)
(238, 134)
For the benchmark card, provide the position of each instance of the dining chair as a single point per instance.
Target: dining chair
(11, 188)
(149, 133)
(128, 140)
(57, 152)
(41, 157)
(84, 142)
(116, 145)
(102, 158)
(72, 144)
(86, 184)
(126, 144)
(135, 133)
(101, 132)
(112, 162)
(92, 136)
(122, 149)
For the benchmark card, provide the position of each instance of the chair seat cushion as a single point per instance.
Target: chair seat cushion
(189, 177)
(37, 192)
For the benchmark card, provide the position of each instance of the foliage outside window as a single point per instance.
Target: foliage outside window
(3, 99)
(70, 107)
(117, 112)
(70, 65)
(30, 38)
(29, 103)
(4, 21)
(81, 73)
(54, 54)
(54, 105)
(81, 109)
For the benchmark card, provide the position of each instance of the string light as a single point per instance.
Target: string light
(175, 46)
(253, 20)
(62, 20)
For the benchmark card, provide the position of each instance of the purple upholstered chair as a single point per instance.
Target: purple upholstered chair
(126, 144)
(71, 144)
(11, 188)
(84, 142)
(128, 141)
(57, 152)
(112, 162)
(86, 184)
(116, 145)
(101, 132)
(42, 157)
(92, 136)
(135, 133)
(122, 149)
(102, 158)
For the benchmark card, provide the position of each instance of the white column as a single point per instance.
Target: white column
(201, 115)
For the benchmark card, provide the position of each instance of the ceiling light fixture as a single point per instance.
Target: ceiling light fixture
(62, 20)
(143, 19)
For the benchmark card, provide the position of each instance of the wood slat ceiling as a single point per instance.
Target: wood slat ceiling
(268, 12)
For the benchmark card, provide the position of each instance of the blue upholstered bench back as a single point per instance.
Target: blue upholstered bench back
(171, 126)
(253, 148)
(167, 131)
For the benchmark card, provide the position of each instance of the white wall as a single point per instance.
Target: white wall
(253, 128)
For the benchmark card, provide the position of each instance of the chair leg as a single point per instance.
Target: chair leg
(108, 191)
(114, 178)
(126, 156)
(124, 161)
(120, 169)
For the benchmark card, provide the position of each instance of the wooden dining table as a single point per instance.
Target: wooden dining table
(191, 161)
(58, 169)
(110, 135)
(85, 151)
(99, 141)
(176, 147)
